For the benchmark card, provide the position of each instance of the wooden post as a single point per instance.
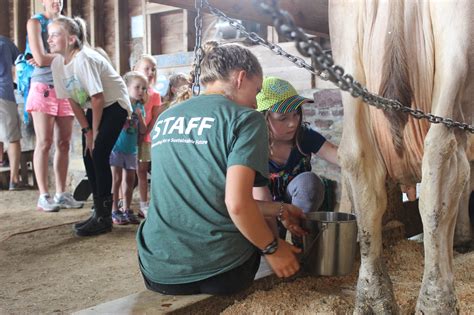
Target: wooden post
(21, 14)
(189, 32)
(96, 26)
(122, 38)
(146, 48)
(4, 23)
(154, 34)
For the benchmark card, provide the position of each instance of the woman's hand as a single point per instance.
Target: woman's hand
(89, 143)
(33, 62)
(291, 218)
(283, 261)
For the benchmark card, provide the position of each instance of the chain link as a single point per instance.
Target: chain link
(324, 66)
(198, 51)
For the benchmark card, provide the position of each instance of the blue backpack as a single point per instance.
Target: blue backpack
(24, 70)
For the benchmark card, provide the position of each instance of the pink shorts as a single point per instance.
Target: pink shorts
(42, 98)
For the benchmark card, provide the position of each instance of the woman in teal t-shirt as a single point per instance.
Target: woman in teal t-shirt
(204, 232)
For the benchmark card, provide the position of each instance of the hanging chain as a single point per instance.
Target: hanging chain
(198, 52)
(324, 66)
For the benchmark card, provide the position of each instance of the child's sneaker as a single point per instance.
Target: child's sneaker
(131, 217)
(67, 201)
(118, 217)
(142, 213)
(47, 204)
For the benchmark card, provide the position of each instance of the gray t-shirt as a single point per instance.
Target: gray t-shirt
(8, 54)
(43, 74)
(188, 235)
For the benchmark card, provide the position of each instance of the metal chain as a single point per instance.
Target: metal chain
(324, 64)
(198, 51)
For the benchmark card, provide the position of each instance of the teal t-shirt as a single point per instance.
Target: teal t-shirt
(188, 234)
(127, 141)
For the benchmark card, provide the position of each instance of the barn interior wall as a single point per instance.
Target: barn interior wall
(175, 56)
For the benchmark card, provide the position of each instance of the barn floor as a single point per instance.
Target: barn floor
(52, 271)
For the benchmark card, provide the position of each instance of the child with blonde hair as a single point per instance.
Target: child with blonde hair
(179, 89)
(147, 66)
(123, 159)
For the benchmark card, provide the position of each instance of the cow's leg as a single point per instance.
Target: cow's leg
(368, 193)
(362, 167)
(463, 234)
(444, 172)
(445, 167)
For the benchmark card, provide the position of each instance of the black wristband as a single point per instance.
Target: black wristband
(270, 248)
(85, 130)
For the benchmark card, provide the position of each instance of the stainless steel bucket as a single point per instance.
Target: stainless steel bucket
(329, 248)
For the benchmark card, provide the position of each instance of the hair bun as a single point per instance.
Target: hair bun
(209, 46)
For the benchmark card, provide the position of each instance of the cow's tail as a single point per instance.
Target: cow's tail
(395, 81)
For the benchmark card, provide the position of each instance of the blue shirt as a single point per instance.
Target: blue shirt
(8, 54)
(127, 141)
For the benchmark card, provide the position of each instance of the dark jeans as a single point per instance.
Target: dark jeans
(98, 166)
(230, 282)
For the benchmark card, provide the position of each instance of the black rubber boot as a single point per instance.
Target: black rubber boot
(79, 224)
(100, 222)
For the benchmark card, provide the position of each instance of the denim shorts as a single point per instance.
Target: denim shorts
(123, 160)
(42, 98)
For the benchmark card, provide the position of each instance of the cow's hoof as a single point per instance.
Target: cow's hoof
(432, 301)
(375, 296)
(380, 307)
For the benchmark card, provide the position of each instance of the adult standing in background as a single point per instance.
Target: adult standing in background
(52, 117)
(10, 130)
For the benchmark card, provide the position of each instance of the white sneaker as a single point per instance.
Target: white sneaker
(143, 212)
(47, 204)
(67, 201)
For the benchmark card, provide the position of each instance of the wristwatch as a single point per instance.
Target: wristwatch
(270, 248)
(86, 130)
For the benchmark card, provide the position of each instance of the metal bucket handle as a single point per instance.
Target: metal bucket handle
(324, 226)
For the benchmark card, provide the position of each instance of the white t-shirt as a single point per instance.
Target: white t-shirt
(88, 74)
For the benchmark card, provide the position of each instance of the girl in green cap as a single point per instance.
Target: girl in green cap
(291, 145)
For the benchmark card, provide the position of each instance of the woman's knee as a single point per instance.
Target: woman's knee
(43, 144)
(63, 145)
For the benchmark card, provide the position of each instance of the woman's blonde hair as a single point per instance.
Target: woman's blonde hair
(74, 26)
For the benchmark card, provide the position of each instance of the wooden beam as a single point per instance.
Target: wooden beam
(153, 8)
(189, 33)
(96, 23)
(21, 14)
(4, 22)
(154, 34)
(146, 31)
(311, 15)
(122, 38)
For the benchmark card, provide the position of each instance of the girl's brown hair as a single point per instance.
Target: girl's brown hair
(296, 141)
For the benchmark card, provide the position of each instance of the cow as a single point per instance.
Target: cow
(421, 53)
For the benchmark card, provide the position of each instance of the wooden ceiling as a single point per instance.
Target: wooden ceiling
(311, 15)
